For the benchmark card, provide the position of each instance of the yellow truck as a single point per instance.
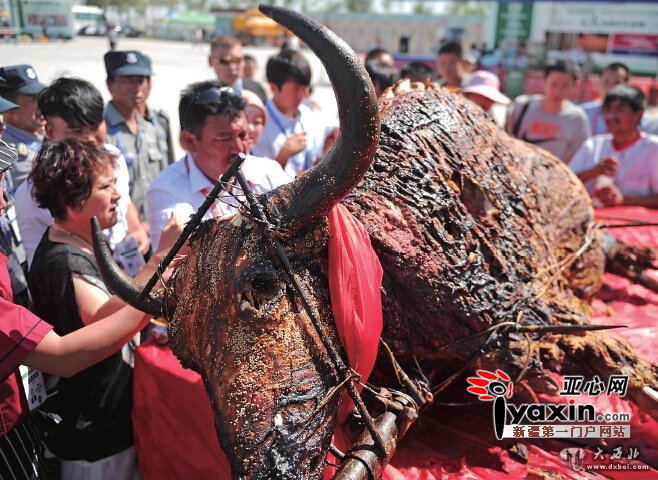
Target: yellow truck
(253, 27)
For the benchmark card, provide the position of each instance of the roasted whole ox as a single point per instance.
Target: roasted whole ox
(474, 230)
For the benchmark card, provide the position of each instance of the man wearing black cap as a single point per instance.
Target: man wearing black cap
(5, 105)
(24, 131)
(620, 167)
(142, 135)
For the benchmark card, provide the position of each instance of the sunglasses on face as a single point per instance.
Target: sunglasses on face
(228, 59)
(210, 96)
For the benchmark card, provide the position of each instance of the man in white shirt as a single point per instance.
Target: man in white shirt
(294, 135)
(620, 167)
(213, 131)
(73, 108)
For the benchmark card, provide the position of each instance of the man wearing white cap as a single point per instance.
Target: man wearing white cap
(483, 89)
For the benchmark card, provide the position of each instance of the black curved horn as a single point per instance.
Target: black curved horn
(116, 279)
(314, 193)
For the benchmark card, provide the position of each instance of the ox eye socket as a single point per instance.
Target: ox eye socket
(265, 286)
(260, 293)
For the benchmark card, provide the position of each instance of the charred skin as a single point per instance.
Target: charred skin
(263, 365)
(469, 225)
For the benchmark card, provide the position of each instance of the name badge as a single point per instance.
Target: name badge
(34, 386)
(127, 255)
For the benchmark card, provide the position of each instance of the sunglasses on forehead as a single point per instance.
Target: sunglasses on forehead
(229, 59)
(210, 96)
(213, 95)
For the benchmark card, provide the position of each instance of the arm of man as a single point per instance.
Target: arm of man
(294, 144)
(32, 220)
(607, 166)
(582, 162)
(163, 120)
(648, 201)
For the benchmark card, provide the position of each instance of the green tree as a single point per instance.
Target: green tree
(465, 7)
(358, 6)
(421, 8)
(120, 5)
(333, 6)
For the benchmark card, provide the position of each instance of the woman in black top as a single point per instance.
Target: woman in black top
(75, 181)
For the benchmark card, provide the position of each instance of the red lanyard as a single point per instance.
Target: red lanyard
(214, 209)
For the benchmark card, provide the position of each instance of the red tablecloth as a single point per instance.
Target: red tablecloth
(173, 421)
(175, 436)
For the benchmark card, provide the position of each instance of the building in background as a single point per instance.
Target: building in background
(405, 34)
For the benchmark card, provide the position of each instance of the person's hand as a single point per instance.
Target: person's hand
(142, 238)
(607, 166)
(295, 143)
(170, 233)
(610, 196)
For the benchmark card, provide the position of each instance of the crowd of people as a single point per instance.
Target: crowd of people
(607, 142)
(67, 156)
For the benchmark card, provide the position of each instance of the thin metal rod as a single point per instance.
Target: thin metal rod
(258, 211)
(627, 225)
(557, 329)
(336, 452)
(194, 222)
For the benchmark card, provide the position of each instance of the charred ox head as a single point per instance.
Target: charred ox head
(263, 365)
(474, 230)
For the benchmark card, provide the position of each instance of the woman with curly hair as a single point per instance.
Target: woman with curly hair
(75, 181)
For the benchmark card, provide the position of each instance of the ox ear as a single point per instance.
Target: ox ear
(117, 280)
(315, 193)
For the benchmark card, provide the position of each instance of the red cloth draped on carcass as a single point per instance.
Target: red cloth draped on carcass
(355, 278)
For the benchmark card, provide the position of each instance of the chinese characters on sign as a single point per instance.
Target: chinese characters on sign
(567, 431)
(576, 384)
